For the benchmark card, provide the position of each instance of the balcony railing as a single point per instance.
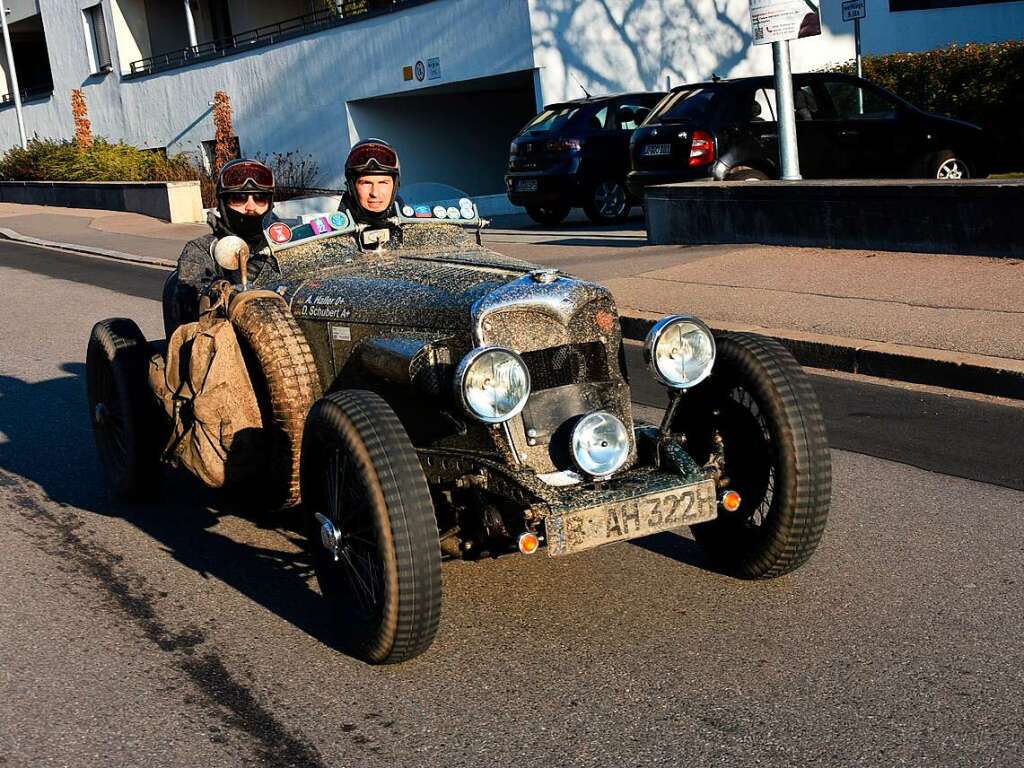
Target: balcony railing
(34, 93)
(346, 12)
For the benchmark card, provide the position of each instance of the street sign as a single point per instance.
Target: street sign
(853, 9)
(772, 21)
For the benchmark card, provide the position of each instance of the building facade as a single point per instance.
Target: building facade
(449, 82)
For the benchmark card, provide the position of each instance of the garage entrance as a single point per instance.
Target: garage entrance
(457, 134)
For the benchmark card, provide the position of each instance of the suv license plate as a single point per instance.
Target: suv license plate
(631, 518)
(656, 149)
(526, 185)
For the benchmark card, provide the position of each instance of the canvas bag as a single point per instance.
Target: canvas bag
(205, 388)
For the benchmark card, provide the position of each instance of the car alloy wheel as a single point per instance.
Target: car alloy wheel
(952, 168)
(608, 202)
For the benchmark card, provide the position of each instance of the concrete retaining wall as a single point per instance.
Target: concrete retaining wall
(173, 201)
(976, 217)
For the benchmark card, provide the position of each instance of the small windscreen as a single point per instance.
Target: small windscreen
(685, 105)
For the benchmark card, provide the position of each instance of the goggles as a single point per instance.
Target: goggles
(372, 157)
(246, 175)
(240, 198)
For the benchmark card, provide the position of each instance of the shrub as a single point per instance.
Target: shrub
(53, 160)
(295, 175)
(980, 83)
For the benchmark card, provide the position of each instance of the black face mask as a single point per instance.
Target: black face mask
(246, 227)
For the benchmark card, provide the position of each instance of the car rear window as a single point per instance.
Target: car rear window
(553, 118)
(685, 105)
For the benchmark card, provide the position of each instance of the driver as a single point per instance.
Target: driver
(245, 194)
(372, 177)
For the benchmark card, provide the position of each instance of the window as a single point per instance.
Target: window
(762, 106)
(852, 102)
(681, 105)
(630, 114)
(96, 38)
(552, 119)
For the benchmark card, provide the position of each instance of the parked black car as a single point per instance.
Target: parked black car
(847, 127)
(577, 154)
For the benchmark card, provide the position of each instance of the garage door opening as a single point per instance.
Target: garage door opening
(456, 134)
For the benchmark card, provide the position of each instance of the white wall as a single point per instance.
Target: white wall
(615, 45)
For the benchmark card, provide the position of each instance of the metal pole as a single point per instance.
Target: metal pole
(860, 72)
(15, 90)
(789, 159)
(192, 40)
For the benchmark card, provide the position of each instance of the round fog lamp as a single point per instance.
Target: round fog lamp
(493, 383)
(600, 444)
(680, 351)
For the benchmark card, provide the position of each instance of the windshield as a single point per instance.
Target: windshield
(689, 104)
(552, 118)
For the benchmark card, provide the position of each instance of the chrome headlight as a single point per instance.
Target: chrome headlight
(600, 443)
(493, 384)
(680, 351)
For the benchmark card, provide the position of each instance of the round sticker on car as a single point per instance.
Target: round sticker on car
(279, 232)
(407, 210)
(440, 212)
(338, 220)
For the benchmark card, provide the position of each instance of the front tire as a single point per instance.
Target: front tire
(947, 166)
(608, 203)
(548, 215)
(128, 426)
(776, 455)
(372, 530)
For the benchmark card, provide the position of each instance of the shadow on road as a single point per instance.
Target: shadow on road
(47, 440)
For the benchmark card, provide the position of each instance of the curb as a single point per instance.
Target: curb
(983, 374)
(86, 250)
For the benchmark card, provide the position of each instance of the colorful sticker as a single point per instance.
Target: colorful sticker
(440, 211)
(407, 210)
(279, 232)
(320, 226)
(422, 212)
(338, 220)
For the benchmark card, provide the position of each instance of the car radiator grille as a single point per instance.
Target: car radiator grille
(567, 364)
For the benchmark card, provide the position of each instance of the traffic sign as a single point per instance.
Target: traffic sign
(853, 9)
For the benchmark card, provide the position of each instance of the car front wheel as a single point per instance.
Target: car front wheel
(608, 203)
(372, 530)
(758, 415)
(948, 166)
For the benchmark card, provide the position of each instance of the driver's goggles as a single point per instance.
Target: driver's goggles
(239, 175)
(372, 156)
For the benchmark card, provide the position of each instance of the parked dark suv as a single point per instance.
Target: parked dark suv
(577, 154)
(846, 127)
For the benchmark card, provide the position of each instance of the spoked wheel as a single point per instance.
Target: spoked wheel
(549, 215)
(127, 425)
(760, 408)
(372, 532)
(949, 166)
(608, 203)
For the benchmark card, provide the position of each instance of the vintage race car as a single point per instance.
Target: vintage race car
(426, 397)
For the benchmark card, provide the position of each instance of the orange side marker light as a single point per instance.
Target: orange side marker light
(528, 543)
(730, 501)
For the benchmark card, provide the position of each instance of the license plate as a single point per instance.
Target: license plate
(656, 149)
(631, 518)
(526, 185)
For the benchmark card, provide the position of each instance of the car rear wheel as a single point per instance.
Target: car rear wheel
(372, 530)
(949, 166)
(548, 215)
(745, 173)
(760, 407)
(128, 426)
(608, 203)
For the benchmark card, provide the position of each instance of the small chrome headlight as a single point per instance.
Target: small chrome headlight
(600, 443)
(493, 383)
(680, 351)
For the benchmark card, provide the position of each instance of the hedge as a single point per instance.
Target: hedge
(54, 160)
(979, 83)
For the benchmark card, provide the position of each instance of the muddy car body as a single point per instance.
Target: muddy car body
(412, 446)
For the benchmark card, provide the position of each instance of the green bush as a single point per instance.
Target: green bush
(979, 83)
(53, 160)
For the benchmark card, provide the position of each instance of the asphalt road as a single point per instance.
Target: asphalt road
(184, 633)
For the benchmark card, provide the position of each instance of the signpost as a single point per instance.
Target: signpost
(854, 10)
(13, 81)
(777, 22)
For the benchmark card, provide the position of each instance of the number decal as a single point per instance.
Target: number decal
(688, 496)
(654, 518)
(670, 513)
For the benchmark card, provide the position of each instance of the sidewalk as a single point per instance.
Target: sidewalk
(952, 321)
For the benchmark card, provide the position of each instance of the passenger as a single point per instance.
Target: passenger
(245, 194)
(372, 177)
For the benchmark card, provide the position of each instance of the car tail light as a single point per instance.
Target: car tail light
(702, 149)
(564, 145)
